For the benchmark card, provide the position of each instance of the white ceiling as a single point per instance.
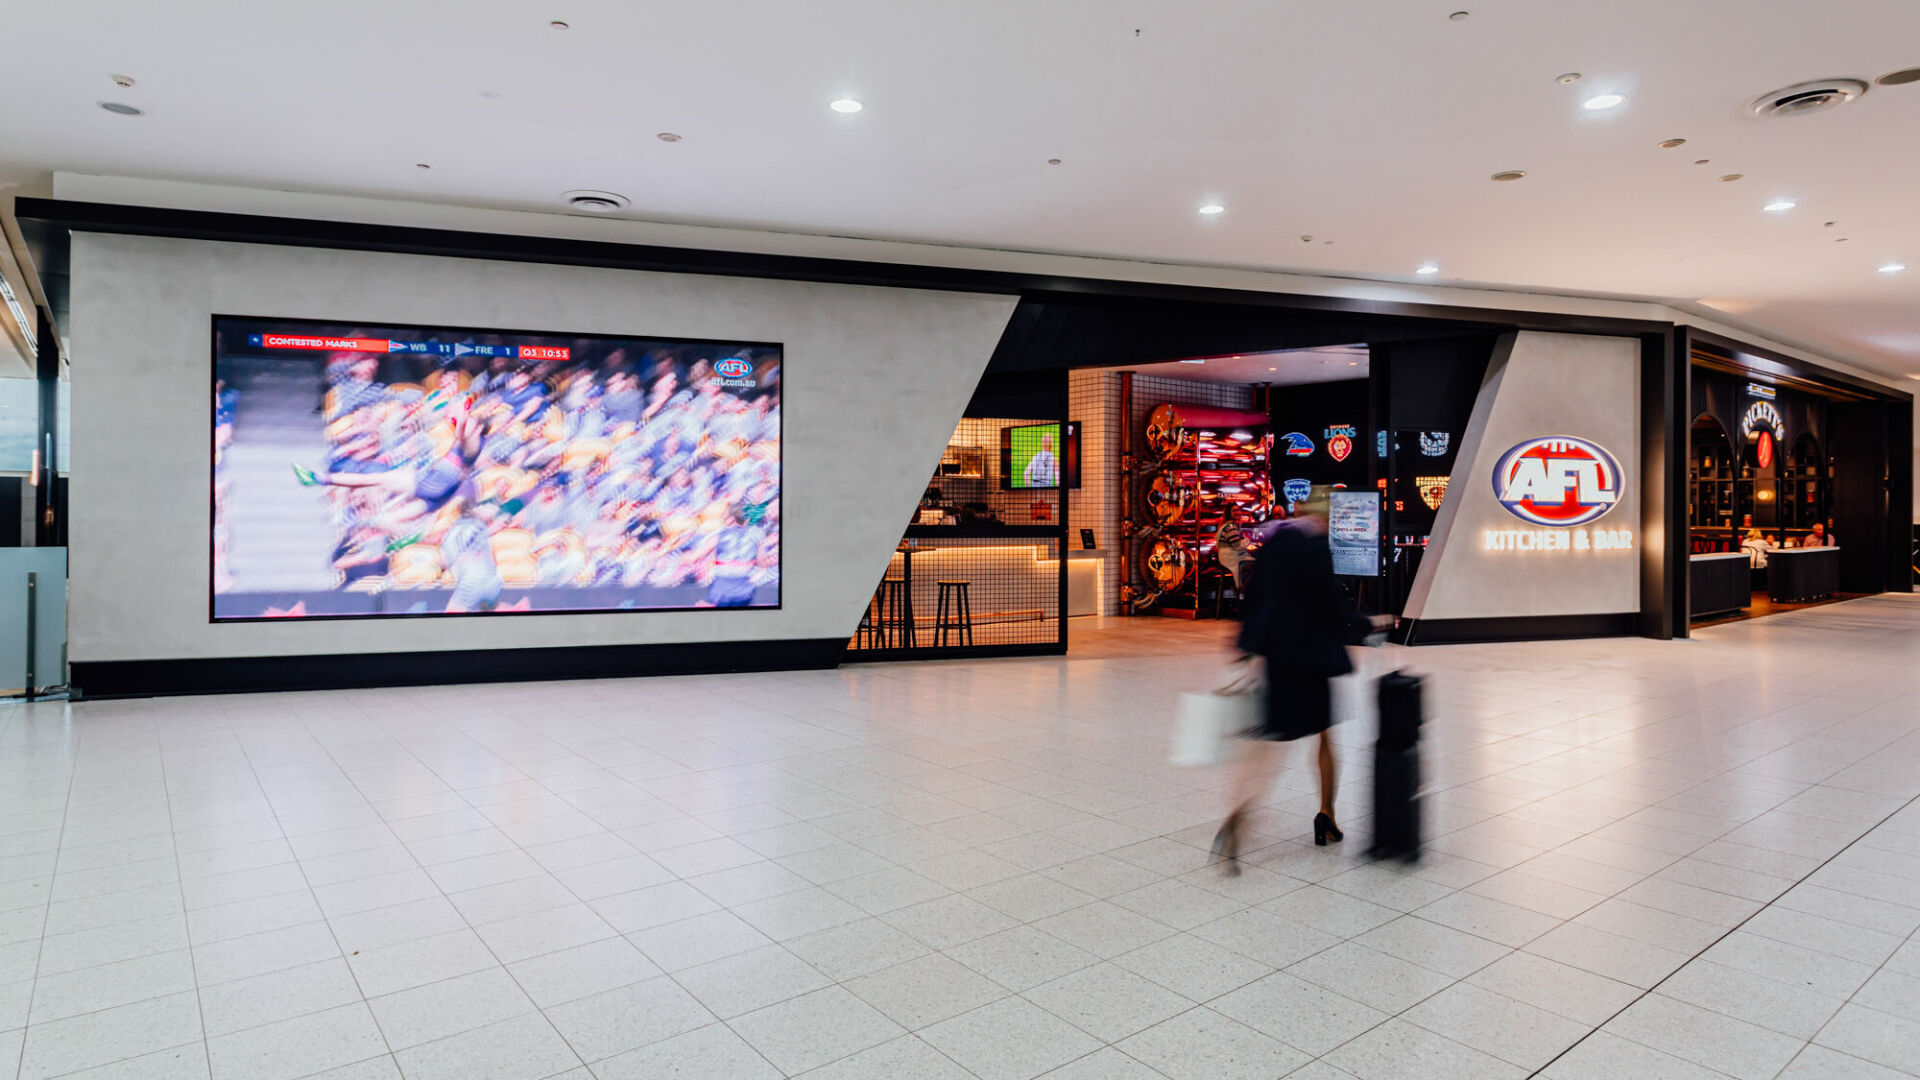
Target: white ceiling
(1290, 367)
(1371, 123)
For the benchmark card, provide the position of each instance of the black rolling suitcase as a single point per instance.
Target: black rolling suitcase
(1396, 769)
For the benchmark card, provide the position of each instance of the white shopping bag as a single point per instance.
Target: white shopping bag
(1207, 722)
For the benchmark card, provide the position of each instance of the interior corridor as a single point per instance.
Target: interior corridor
(1680, 859)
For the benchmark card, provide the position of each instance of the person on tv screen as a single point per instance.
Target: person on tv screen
(1043, 469)
(735, 554)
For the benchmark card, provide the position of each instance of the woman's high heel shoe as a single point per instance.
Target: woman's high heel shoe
(1226, 845)
(1324, 830)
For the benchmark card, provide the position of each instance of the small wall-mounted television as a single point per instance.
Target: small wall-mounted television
(1037, 457)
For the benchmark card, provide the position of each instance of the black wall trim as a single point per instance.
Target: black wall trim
(1666, 417)
(957, 652)
(1761, 360)
(1519, 628)
(47, 221)
(342, 671)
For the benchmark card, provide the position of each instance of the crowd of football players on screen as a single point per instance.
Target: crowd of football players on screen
(610, 470)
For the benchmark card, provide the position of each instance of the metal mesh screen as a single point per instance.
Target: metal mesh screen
(948, 592)
(980, 568)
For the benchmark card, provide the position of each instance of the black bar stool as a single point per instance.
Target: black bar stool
(896, 614)
(953, 616)
(867, 634)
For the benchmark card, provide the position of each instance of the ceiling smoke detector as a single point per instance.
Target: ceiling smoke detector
(1808, 97)
(1900, 78)
(595, 202)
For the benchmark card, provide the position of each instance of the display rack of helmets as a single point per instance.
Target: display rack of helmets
(1203, 467)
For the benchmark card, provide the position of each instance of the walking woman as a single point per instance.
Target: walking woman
(1298, 621)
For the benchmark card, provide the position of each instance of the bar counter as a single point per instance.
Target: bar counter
(1718, 583)
(1796, 574)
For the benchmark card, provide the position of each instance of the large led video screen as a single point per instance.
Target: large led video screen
(366, 471)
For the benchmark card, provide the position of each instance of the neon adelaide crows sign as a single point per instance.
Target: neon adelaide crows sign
(1561, 482)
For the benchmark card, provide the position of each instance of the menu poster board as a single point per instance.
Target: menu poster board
(1353, 531)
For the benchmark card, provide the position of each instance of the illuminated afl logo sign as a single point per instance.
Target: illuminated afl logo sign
(1558, 480)
(733, 367)
(1762, 416)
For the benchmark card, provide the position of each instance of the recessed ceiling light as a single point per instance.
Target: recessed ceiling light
(668, 136)
(1213, 208)
(421, 165)
(845, 105)
(1053, 161)
(1603, 101)
(1429, 268)
(1669, 144)
(1893, 268)
(1508, 175)
(1569, 78)
(1900, 78)
(1731, 177)
(1779, 206)
(1353, 363)
(558, 25)
(121, 108)
(1459, 16)
(1277, 369)
(1702, 161)
(1193, 361)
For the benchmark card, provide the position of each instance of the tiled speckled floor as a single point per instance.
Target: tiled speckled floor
(1695, 859)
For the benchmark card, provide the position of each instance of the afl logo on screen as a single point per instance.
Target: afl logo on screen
(1558, 480)
(733, 367)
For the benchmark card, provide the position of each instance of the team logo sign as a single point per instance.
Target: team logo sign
(1297, 445)
(1435, 443)
(1380, 443)
(1558, 480)
(733, 367)
(1340, 441)
(1296, 491)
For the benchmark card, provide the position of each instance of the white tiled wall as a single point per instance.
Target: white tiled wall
(1093, 399)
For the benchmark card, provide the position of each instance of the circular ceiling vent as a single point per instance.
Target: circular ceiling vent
(1808, 97)
(595, 202)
